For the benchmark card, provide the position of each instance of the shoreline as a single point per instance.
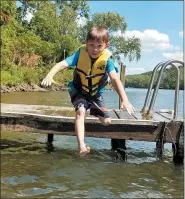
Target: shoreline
(30, 88)
(35, 88)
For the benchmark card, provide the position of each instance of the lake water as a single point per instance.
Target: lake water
(30, 170)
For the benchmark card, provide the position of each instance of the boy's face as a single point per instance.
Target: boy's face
(95, 48)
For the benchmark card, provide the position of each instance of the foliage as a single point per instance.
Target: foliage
(9, 8)
(8, 32)
(129, 47)
(64, 77)
(52, 30)
(168, 80)
(59, 30)
(80, 7)
(19, 75)
(45, 22)
(111, 20)
(119, 45)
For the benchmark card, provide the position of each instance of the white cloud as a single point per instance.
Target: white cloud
(150, 39)
(28, 16)
(81, 21)
(176, 48)
(133, 71)
(117, 33)
(181, 34)
(176, 55)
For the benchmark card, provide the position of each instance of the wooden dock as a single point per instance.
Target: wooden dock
(60, 120)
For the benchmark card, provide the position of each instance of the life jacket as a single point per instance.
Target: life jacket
(90, 78)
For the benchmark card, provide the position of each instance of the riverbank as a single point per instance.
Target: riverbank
(30, 88)
(34, 87)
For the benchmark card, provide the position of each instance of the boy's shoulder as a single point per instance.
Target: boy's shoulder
(110, 60)
(73, 59)
(111, 65)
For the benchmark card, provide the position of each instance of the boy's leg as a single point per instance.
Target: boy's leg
(99, 110)
(104, 121)
(80, 130)
(80, 105)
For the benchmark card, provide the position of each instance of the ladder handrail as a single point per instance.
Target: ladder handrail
(144, 109)
(170, 62)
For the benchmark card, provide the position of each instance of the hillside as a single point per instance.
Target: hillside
(168, 80)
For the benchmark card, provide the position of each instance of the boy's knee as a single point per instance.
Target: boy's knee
(106, 121)
(80, 112)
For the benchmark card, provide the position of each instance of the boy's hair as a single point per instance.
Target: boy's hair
(99, 33)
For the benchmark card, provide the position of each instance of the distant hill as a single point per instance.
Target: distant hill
(168, 80)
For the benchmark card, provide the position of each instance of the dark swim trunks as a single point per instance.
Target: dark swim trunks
(94, 103)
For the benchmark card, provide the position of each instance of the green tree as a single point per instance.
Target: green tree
(128, 47)
(28, 6)
(168, 80)
(60, 29)
(8, 32)
(81, 7)
(45, 22)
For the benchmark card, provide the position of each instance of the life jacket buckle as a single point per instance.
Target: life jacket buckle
(88, 76)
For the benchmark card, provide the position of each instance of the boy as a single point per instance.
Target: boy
(93, 66)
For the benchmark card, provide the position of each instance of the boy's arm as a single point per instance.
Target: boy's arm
(121, 92)
(48, 80)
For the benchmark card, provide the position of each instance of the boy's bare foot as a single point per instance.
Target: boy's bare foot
(84, 151)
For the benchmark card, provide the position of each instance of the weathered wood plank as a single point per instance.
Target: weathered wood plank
(123, 114)
(165, 115)
(113, 115)
(158, 117)
(155, 117)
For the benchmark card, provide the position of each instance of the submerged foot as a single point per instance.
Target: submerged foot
(84, 151)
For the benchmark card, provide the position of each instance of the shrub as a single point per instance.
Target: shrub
(18, 75)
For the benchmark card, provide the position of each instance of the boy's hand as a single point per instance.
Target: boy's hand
(47, 81)
(128, 106)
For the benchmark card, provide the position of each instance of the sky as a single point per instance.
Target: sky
(158, 24)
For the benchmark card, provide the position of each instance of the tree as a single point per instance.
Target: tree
(128, 47)
(60, 29)
(45, 22)
(168, 80)
(8, 31)
(80, 7)
(28, 6)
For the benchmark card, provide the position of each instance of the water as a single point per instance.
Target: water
(30, 170)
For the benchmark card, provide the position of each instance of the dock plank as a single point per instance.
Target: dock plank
(165, 115)
(155, 117)
(123, 114)
(113, 114)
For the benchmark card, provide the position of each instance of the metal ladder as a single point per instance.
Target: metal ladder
(147, 112)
